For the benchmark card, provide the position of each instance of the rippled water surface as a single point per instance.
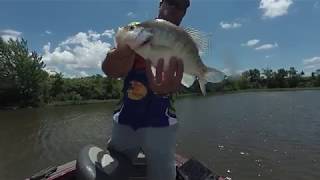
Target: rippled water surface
(265, 135)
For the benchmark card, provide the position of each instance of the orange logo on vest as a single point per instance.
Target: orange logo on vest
(137, 90)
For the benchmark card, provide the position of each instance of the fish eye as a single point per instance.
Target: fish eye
(131, 28)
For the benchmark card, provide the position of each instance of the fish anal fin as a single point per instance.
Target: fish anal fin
(188, 80)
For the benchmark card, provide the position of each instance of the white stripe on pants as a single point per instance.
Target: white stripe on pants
(158, 144)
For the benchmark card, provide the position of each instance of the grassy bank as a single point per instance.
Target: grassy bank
(61, 103)
(92, 101)
(265, 90)
(248, 90)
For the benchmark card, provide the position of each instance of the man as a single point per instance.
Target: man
(144, 120)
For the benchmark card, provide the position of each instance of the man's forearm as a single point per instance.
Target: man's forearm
(111, 68)
(118, 62)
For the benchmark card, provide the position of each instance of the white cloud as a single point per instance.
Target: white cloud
(10, 34)
(78, 55)
(251, 42)
(108, 33)
(311, 64)
(48, 32)
(233, 25)
(83, 73)
(275, 8)
(131, 14)
(267, 46)
(52, 70)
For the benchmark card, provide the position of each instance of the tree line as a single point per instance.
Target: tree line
(269, 79)
(24, 82)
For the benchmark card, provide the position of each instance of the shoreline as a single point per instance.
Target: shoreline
(264, 90)
(249, 90)
(63, 103)
(94, 101)
(268, 90)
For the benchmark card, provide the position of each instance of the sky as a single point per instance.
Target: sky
(73, 36)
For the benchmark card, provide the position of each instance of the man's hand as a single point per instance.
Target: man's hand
(118, 62)
(165, 81)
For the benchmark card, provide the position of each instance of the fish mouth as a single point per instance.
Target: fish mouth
(147, 41)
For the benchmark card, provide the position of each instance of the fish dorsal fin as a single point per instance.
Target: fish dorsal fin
(201, 39)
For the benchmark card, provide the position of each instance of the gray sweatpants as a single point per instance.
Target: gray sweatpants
(158, 144)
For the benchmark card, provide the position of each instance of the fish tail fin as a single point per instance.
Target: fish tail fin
(202, 84)
(213, 75)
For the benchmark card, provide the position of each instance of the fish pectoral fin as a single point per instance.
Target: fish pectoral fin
(201, 39)
(188, 80)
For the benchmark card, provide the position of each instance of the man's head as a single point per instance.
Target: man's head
(173, 10)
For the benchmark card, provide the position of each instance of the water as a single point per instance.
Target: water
(248, 136)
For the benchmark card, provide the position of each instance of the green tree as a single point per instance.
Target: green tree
(280, 78)
(24, 71)
(112, 88)
(293, 77)
(57, 84)
(255, 78)
(230, 84)
(250, 78)
(254, 75)
(317, 79)
(268, 77)
(292, 72)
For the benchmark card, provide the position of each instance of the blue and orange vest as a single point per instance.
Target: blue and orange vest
(140, 107)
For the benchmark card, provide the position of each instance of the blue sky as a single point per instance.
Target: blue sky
(74, 36)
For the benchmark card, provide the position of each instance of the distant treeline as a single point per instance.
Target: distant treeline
(24, 82)
(268, 79)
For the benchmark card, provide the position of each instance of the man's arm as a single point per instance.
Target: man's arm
(118, 62)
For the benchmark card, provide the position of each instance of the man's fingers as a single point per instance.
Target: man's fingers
(171, 81)
(149, 73)
(179, 72)
(159, 71)
(155, 86)
(169, 74)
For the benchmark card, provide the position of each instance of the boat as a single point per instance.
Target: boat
(94, 163)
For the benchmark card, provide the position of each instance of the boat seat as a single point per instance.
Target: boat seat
(95, 163)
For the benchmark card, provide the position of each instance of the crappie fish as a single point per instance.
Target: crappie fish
(159, 38)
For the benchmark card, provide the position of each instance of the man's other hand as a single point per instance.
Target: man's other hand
(118, 62)
(165, 81)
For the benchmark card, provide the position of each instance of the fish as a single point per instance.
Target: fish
(158, 38)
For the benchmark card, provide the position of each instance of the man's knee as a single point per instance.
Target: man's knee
(161, 166)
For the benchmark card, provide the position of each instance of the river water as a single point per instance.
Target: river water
(248, 136)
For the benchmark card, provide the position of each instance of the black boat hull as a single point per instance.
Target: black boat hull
(94, 163)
